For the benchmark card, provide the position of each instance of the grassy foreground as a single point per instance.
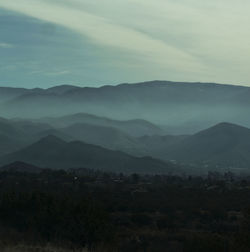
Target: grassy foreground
(26, 248)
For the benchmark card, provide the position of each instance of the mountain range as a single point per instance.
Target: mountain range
(53, 152)
(135, 127)
(120, 135)
(180, 108)
(153, 124)
(222, 147)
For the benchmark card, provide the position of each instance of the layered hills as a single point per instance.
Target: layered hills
(180, 122)
(53, 152)
(223, 146)
(182, 107)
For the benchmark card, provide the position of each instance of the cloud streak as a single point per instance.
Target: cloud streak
(178, 39)
(5, 45)
(105, 32)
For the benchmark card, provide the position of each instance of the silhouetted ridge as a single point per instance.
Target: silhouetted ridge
(182, 107)
(134, 127)
(50, 139)
(20, 167)
(225, 145)
(62, 89)
(52, 152)
(225, 128)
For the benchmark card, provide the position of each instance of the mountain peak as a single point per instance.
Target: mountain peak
(62, 89)
(226, 126)
(51, 139)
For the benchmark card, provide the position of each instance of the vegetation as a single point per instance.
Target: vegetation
(110, 212)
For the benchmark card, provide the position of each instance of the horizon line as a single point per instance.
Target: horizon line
(129, 83)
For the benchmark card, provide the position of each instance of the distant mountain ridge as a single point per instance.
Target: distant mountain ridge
(158, 119)
(135, 127)
(182, 107)
(111, 134)
(224, 145)
(52, 152)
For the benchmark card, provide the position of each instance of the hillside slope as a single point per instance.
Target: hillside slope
(55, 153)
(224, 144)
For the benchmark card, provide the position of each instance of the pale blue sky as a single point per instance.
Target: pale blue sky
(92, 43)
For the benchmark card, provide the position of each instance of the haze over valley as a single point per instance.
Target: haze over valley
(186, 127)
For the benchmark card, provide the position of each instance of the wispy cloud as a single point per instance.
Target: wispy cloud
(57, 73)
(105, 32)
(50, 73)
(178, 39)
(6, 45)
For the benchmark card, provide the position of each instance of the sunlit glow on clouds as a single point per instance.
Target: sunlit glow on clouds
(161, 39)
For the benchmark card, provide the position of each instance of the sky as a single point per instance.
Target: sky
(93, 43)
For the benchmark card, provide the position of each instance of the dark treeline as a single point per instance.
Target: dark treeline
(82, 208)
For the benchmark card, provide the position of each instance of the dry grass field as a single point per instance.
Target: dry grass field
(48, 248)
